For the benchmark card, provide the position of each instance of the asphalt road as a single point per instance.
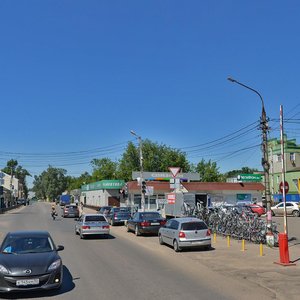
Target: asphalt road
(125, 266)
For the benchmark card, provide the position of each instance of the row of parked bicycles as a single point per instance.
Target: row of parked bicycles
(238, 222)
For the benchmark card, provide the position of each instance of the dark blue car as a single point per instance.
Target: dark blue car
(118, 215)
(145, 222)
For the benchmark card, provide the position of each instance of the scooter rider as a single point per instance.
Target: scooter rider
(53, 211)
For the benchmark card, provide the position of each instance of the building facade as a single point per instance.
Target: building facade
(292, 168)
(103, 193)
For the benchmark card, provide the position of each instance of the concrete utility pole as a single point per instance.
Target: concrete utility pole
(141, 169)
(265, 161)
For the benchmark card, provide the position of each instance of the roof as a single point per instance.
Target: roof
(201, 186)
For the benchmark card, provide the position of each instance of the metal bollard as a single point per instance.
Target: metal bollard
(261, 250)
(243, 245)
(228, 241)
(215, 237)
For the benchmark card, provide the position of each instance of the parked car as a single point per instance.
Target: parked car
(21, 201)
(29, 261)
(104, 210)
(257, 209)
(185, 233)
(292, 208)
(118, 215)
(92, 224)
(70, 210)
(145, 222)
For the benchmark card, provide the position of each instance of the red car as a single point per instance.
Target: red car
(257, 209)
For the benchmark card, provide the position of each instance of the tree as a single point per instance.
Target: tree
(243, 170)
(14, 169)
(209, 172)
(51, 183)
(156, 158)
(76, 182)
(104, 168)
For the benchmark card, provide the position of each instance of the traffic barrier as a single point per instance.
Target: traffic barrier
(284, 250)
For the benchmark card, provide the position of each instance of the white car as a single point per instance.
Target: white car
(292, 208)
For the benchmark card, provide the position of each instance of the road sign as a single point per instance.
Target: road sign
(284, 186)
(249, 177)
(174, 171)
(171, 198)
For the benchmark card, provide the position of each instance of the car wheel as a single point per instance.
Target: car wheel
(127, 228)
(81, 236)
(160, 240)
(296, 213)
(273, 214)
(176, 246)
(136, 231)
(76, 232)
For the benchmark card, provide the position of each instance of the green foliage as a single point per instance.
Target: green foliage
(76, 182)
(104, 168)
(50, 184)
(209, 172)
(155, 158)
(243, 170)
(14, 169)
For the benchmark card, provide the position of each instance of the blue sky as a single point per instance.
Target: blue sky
(77, 76)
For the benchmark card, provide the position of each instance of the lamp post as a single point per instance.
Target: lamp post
(265, 161)
(141, 169)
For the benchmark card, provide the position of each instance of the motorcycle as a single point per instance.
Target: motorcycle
(53, 215)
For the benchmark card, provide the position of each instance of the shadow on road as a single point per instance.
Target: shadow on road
(67, 286)
(99, 237)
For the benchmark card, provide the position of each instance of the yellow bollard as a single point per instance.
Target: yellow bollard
(243, 245)
(215, 237)
(261, 250)
(228, 241)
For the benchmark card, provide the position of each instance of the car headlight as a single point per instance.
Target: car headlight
(55, 265)
(3, 270)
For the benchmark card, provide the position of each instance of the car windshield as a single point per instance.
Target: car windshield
(149, 216)
(193, 226)
(23, 245)
(95, 218)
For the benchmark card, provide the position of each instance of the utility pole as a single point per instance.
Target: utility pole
(265, 161)
(141, 170)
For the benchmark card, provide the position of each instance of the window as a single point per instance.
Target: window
(193, 226)
(174, 224)
(94, 218)
(292, 156)
(278, 157)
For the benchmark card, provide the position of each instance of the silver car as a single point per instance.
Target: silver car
(292, 208)
(185, 233)
(92, 224)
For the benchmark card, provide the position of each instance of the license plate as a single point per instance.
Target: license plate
(25, 282)
(154, 223)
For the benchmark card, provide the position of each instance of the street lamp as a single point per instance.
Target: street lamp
(265, 160)
(141, 169)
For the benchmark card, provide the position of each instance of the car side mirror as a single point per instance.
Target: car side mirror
(60, 248)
